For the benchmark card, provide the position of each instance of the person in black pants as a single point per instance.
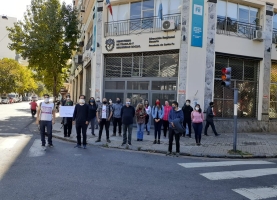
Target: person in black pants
(117, 116)
(81, 117)
(210, 120)
(187, 109)
(67, 121)
(157, 114)
(92, 114)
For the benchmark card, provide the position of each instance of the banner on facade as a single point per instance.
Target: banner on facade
(66, 111)
(197, 23)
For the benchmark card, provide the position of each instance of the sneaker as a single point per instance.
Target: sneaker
(129, 144)
(159, 142)
(177, 154)
(84, 146)
(123, 144)
(98, 140)
(108, 140)
(50, 145)
(206, 134)
(148, 133)
(155, 142)
(93, 134)
(77, 146)
(119, 134)
(168, 153)
(43, 147)
(114, 134)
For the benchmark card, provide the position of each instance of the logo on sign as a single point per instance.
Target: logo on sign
(198, 10)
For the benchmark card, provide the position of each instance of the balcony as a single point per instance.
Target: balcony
(89, 43)
(139, 25)
(274, 36)
(228, 26)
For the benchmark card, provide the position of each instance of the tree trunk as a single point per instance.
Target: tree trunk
(55, 87)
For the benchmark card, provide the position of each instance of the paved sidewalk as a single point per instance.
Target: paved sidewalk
(251, 145)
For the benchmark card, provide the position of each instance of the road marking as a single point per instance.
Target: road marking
(239, 174)
(224, 163)
(36, 149)
(258, 193)
(8, 143)
(10, 134)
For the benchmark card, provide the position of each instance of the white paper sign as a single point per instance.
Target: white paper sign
(66, 111)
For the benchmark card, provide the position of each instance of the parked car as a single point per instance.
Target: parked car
(5, 100)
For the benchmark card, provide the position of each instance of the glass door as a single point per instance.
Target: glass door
(137, 97)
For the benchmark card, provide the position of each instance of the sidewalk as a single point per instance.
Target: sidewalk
(251, 145)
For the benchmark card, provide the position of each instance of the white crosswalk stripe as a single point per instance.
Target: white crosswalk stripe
(261, 192)
(36, 149)
(258, 193)
(223, 163)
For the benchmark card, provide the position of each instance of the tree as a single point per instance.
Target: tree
(25, 80)
(8, 75)
(47, 36)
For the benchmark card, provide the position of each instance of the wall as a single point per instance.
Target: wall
(274, 52)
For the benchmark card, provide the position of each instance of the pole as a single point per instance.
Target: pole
(235, 119)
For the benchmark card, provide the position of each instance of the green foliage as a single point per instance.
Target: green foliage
(47, 36)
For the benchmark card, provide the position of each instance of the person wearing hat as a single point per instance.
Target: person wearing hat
(210, 120)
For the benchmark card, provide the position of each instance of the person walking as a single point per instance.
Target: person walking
(187, 110)
(34, 106)
(92, 114)
(147, 117)
(157, 114)
(210, 120)
(67, 121)
(117, 121)
(104, 114)
(167, 109)
(175, 116)
(81, 119)
(97, 104)
(127, 116)
(46, 118)
(140, 118)
(197, 118)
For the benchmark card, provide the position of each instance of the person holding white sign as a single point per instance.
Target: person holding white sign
(67, 121)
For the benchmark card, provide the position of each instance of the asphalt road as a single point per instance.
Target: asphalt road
(63, 172)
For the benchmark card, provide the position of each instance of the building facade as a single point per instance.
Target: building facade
(142, 53)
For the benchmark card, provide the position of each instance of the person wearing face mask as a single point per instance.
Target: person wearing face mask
(98, 103)
(67, 121)
(140, 118)
(197, 118)
(210, 120)
(81, 119)
(92, 113)
(167, 109)
(127, 115)
(46, 118)
(157, 114)
(187, 109)
(147, 117)
(104, 114)
(117, 116)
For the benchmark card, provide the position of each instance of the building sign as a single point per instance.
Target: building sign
(109, 44)
(197, 23)
(126, 44)
(158, 41)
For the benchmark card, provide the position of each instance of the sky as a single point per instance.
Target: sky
(16, 8)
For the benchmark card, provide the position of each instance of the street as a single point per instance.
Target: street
(63, 172)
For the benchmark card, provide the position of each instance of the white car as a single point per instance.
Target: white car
(5, 100)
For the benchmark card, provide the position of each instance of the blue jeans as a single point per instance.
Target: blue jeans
(140, 131)
(48, 126)
(197, 130)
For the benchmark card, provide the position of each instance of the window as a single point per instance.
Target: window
(169, 7)
(118, 85)
(273, 92)
(120, 12)
(163, 97)
(164, 85)
(245, 78)
(137, 85)
(275, 21)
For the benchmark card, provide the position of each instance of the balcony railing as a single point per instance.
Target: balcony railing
(228, 26)
(89, 43)
(140, 25)
(274, 36)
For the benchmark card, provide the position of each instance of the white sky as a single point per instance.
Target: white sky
(16, 8)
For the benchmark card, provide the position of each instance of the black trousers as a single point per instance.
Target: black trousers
(103, 123)
(157, 129)
(177, 140)
(208, 123)
(81, 128)
(67, 128)
(185, 123)
(33, 112)
(165, 127)
(117, 121)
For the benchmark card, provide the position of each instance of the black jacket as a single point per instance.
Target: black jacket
(127, 115)
(209, 114)
(92, 111)
(80, 114)
(187, 112)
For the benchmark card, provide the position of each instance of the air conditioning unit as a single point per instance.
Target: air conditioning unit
(168, 25)
(258, 35)
(82, 8)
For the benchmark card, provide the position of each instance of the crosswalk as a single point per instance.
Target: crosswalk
(255, 193)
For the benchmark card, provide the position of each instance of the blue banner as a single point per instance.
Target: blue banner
(197, 23)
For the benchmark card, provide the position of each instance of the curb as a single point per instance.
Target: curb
(257, 156)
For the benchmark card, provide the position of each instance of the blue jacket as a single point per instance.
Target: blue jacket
(160, 112)
(117, 110)
(173, 115)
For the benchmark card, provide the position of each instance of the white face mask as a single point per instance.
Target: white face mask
(110, 102)
(82, 101)
(46, 100)
(128, 103)
(187, 104)
(68, 98)
(196, 108)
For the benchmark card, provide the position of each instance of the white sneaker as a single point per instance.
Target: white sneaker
(43, 148)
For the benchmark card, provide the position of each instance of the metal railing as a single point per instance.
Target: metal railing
(274, 36)
(89, 43)
(140, 25)
(228, 26)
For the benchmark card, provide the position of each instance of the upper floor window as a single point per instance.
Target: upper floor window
(275, 21)
(237, 12)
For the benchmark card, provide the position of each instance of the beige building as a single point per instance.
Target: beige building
(5, 52)
(139, 53)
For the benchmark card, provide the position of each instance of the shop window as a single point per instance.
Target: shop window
(114, 95)
(117, 85)
(138, 85)
(245, 78)
(273, 92)
(164, 85)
